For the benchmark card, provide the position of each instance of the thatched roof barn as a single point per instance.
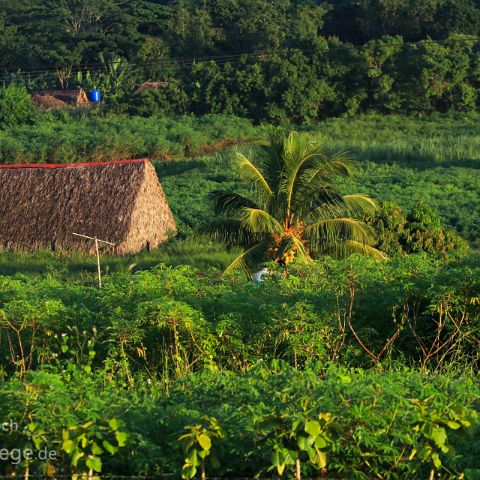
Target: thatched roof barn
(122, 202)
(60, 99)
(150, 86)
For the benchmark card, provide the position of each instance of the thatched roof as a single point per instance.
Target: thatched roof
(59, 99)
(122, 202)
(149, 86)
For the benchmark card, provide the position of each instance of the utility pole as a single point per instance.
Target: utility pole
(97, 241)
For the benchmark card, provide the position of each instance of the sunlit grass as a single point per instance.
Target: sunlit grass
(74, 267)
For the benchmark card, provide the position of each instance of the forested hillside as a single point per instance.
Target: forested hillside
(266, 60)
(317, 313)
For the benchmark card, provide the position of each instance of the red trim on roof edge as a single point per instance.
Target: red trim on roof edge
(71, 165)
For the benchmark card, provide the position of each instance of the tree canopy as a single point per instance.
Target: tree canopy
(285, 60)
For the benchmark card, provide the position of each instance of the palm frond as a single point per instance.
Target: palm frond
(321, 205)
(347, 248)
(360, 204)
(257, 221)
(254, 174)
(229, 203)
(229, 231)
(327, 168)
(249, 259)
(299, 154)
(318, 174)
(328, 203)
(271, 154)
(341, 163)
(333, 230)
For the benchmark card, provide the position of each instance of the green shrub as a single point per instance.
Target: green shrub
(339, 422)
(11, 150)
(174, 320)
(425, 233)
(16, 106)
(74, 137)
(420, 231)
(166, 101)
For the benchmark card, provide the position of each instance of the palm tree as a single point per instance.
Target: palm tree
(296, 211)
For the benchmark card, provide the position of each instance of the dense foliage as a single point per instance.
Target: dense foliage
(349, 368)
(70, 138)
(16, 107)
(420, 231)
(74, 32)
(158, 350)
(179, 312)
(288, 59)
(371, 424)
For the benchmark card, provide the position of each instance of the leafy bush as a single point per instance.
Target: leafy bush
(168, 100)
(174, 320)
(110, 379)
(420, 231)
(58, 138)
(425, 232)
(16, 106)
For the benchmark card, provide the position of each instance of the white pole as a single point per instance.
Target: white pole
(98, 264)
(97, 251)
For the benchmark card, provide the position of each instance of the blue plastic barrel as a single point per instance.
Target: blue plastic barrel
(95, 96)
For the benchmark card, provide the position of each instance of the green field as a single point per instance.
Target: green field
(167, 347)
(347, 368)
(401, 159)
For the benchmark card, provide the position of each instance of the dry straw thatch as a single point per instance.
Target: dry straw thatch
(60, 99)
(41, 206)
(150, 86)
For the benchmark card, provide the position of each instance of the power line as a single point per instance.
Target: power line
(173, 60)
(233, 59)
(345, 46)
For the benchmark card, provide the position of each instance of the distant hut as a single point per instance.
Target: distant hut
(150, 86)
(60, 99)
(41, 206)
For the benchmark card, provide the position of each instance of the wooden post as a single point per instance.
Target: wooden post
(98, 264)
(97, 251)
(298, 470)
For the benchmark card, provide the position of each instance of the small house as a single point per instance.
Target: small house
(150, 86)
(60, 99)
(122, 202)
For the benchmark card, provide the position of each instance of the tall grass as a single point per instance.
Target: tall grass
(82, 268)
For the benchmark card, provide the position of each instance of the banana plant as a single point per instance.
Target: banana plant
(113, 77)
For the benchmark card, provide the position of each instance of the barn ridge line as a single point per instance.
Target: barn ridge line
(71, 165)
